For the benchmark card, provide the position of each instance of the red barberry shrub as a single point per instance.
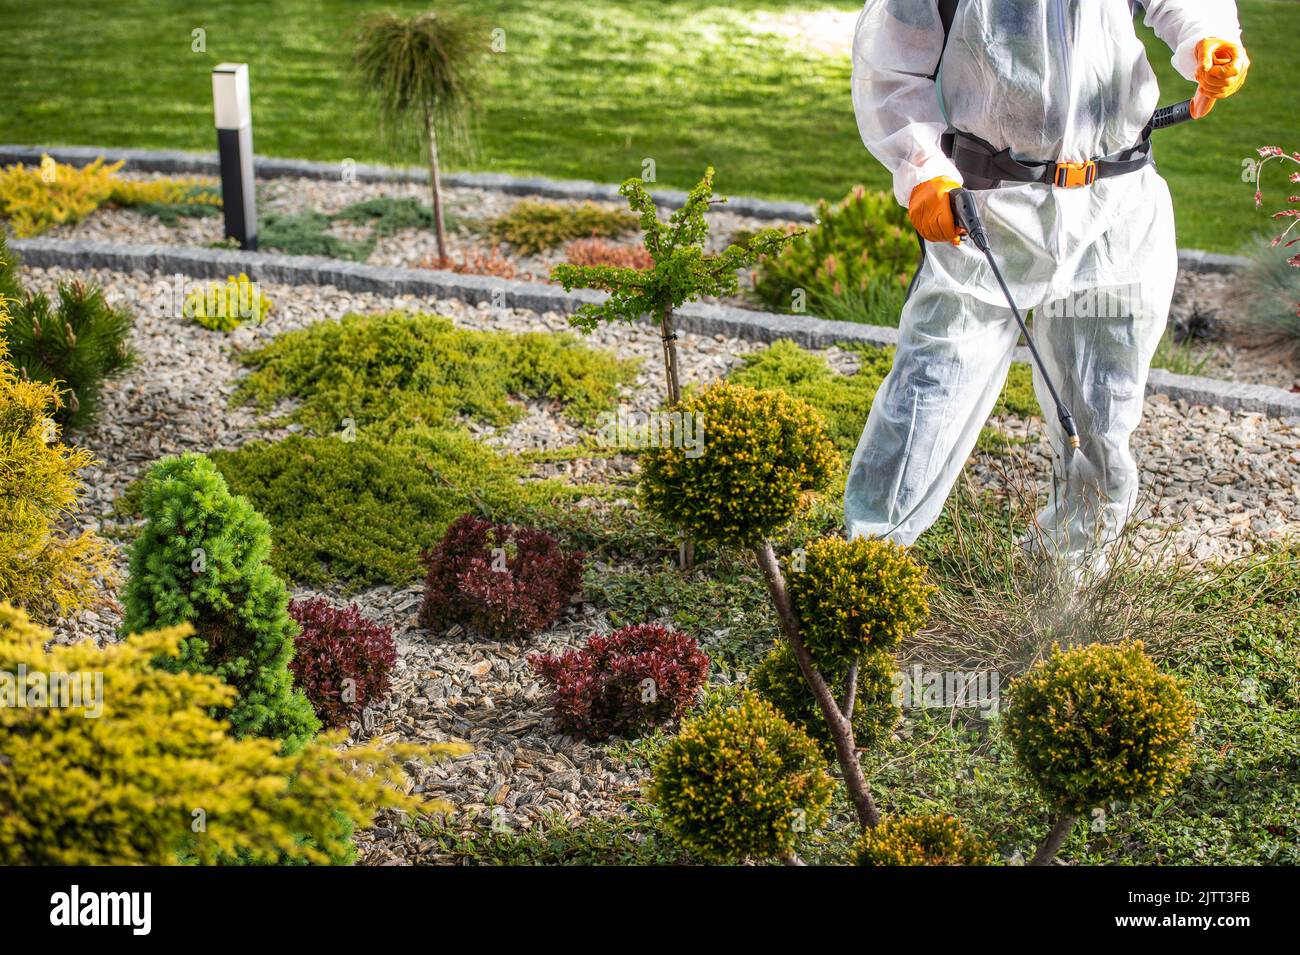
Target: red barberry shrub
(625, 683)
(497, 579)
(596, 251)
(342, 660)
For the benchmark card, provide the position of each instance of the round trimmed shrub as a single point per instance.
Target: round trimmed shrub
(741, 782)
(626, 683)
(856, 597)
(1100, 723)
(763, 452)
(921, 840)
(342, 660)
(778, 679)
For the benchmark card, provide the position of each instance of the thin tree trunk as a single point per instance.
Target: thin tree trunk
(1055, 839)
(851, 694)
(669, 336)
(435, 184)
(846, 751)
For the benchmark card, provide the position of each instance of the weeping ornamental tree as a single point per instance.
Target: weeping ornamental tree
(682, 270)
(425, 75)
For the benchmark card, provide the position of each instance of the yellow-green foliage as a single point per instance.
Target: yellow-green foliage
(1100, 723)
(131, 785)
(855, 597)
(34, 198)
(741, 782)
(763, 452)
(533, 226)
(921, 840)
(224, 307)
(189, 190)
(41, 570)
(778, 679)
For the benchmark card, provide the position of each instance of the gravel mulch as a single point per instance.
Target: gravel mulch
(1233, 479)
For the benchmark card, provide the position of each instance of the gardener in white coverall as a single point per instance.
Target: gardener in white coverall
(1026, 89)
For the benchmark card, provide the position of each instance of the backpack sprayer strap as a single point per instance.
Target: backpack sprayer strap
(983, 166)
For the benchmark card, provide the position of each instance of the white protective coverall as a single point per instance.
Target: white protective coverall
(1053, 80)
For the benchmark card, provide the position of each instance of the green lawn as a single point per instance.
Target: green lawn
(584, 90)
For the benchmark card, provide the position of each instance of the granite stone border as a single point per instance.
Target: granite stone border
(703, 319)
(177, 162)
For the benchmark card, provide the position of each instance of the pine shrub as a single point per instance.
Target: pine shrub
(76, 343)
(153, 778)
(43, 570)
(201, 559)
(860, 247)
(921, 840)
(1100, 723)
(741, 782)
(625, 683)
(778, 679)
(856, 597)
(497, 579)
(763, 452)
(342, 660)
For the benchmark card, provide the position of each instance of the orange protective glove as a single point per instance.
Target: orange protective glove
(1220, 72)
(931, 210)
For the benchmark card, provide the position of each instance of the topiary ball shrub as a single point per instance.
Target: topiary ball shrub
(778, 679)
(921, 840)
(497, 579)
(201, 559)
(741, 782)
(342, 660)
(625, 683)
(1100, 723)
(855, 597)
(762, 453)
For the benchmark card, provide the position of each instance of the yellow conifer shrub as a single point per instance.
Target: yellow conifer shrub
(44, 572)
(138, 773)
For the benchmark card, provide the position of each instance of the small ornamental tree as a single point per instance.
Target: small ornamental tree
(921, 840)
(201, 559)
(341, 660)
(764, 453)
(681, 272)
(1096, 724)
(46, 572)
(741, 782)
(627, 682)
(425, 74)
(125, 786)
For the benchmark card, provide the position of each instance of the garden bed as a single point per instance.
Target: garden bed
(1229, 482)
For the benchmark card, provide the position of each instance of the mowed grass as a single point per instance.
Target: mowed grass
(583, 90)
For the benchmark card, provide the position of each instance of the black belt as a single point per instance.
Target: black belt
(983, 166)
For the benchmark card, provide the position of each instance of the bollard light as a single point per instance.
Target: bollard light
(233, 110)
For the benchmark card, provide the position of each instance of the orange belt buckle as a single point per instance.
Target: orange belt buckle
(1071, 174)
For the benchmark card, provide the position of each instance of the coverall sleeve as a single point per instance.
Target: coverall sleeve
(896, 47)
(1184, 23)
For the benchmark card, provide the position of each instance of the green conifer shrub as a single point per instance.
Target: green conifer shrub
(778, 680)
(741, 782)
(1095, 724)
(75, 344)
(201, 559)
(921, 840)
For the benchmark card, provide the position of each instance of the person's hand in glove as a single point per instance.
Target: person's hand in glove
(1220, 72)
(931, 210)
